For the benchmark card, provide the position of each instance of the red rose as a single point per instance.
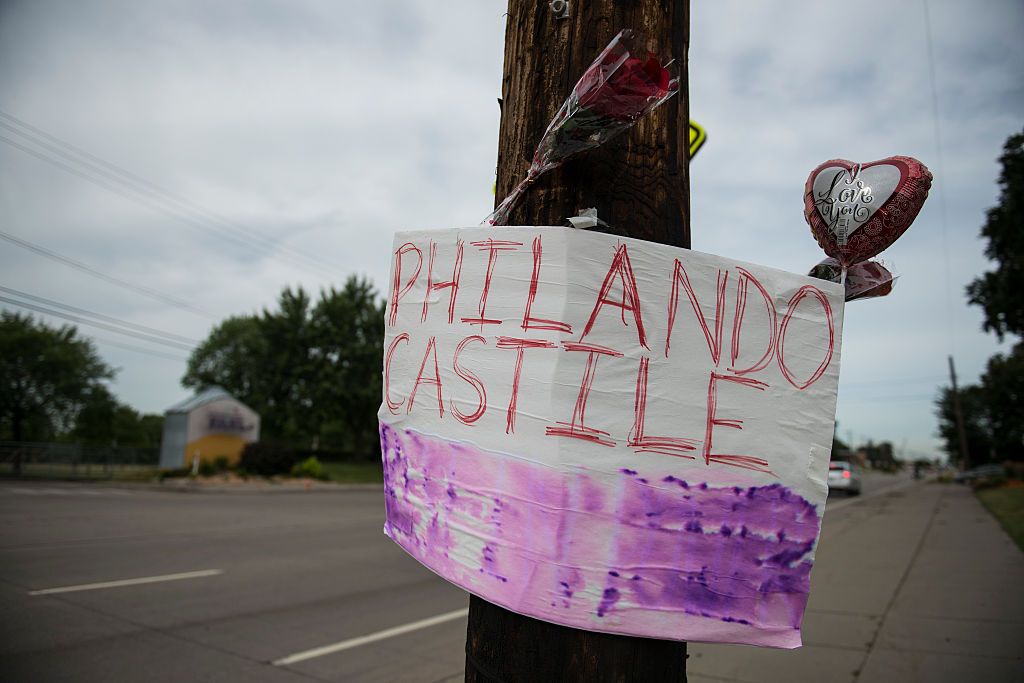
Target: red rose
(627, 92)
(609, 98)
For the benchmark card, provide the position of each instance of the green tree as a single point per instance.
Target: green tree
(46, 376)
(231, 357)
(289, 370)
(312, 372)
(151, 430)
(349, 332)
(977, 428)
(105, 421)
(993, 411)
(998, 292)
(1003, 386)
(264, 361)
(94, 423)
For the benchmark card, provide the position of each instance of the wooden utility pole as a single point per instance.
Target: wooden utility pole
(639, 184)
(958, 412)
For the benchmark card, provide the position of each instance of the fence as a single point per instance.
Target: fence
(68, 460)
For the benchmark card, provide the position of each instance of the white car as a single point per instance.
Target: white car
(843, 477)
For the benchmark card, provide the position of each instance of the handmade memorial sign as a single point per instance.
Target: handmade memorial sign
(608, 433)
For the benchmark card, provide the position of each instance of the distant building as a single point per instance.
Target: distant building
(210, 425)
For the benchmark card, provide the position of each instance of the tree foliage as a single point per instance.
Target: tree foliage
(993, 411)
(998, 292)
(1003, 383)
(105, 421)
(47, 375)
(350, 325)
(311, 370)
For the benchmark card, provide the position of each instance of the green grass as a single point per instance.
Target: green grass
(1007, 505)
(354, 472)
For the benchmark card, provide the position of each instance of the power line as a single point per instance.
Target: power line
(100, 316)
(153, 197)
(139, 289)
(890, 399)
(137, 349)
(139, 184)
(138, 199)
(950, 339)
(181, 346)
(920, 379)
(95, 323)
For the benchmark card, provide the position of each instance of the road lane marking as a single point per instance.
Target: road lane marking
(128, 582)
(370, 638)
(65, 492)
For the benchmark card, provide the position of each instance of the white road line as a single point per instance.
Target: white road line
(371, 638)
(65, 492)
(128, 582)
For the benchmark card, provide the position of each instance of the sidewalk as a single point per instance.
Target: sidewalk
(916, 585)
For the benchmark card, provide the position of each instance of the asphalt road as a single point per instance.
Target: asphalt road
(239, 586)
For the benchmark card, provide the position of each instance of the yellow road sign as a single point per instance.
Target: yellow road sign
(697, 137)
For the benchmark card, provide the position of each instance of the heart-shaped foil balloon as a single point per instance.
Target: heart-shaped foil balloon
(857, 210)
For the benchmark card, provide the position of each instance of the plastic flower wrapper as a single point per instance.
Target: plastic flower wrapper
(864, 280)
(623, 83)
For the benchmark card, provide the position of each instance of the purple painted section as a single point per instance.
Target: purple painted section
(622, 551)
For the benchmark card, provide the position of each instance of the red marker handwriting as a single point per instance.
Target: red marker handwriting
(529, 322)
(638, 440)
(520, 345)
(396, 293)
(392, 405)
(680, 277)
(577, 429)
(800, 294)
(492, 247)
(452, 284)
(737, 322)
(622, 270)
(430, 352)
(473, 381)
(745, 461)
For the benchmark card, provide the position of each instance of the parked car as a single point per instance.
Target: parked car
(843, 477)
(981, 473)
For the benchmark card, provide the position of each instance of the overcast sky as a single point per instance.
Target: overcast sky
(307, 132)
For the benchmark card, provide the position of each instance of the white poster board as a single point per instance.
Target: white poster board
(608, 433)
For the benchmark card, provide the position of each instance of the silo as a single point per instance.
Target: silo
(210, 425)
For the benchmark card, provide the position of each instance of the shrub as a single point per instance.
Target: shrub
(267, 458)
(207, 469)
(325, 454)
(990, 482)
(173, 474)
(310, 467)
(221, 463)
(1014, 470)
